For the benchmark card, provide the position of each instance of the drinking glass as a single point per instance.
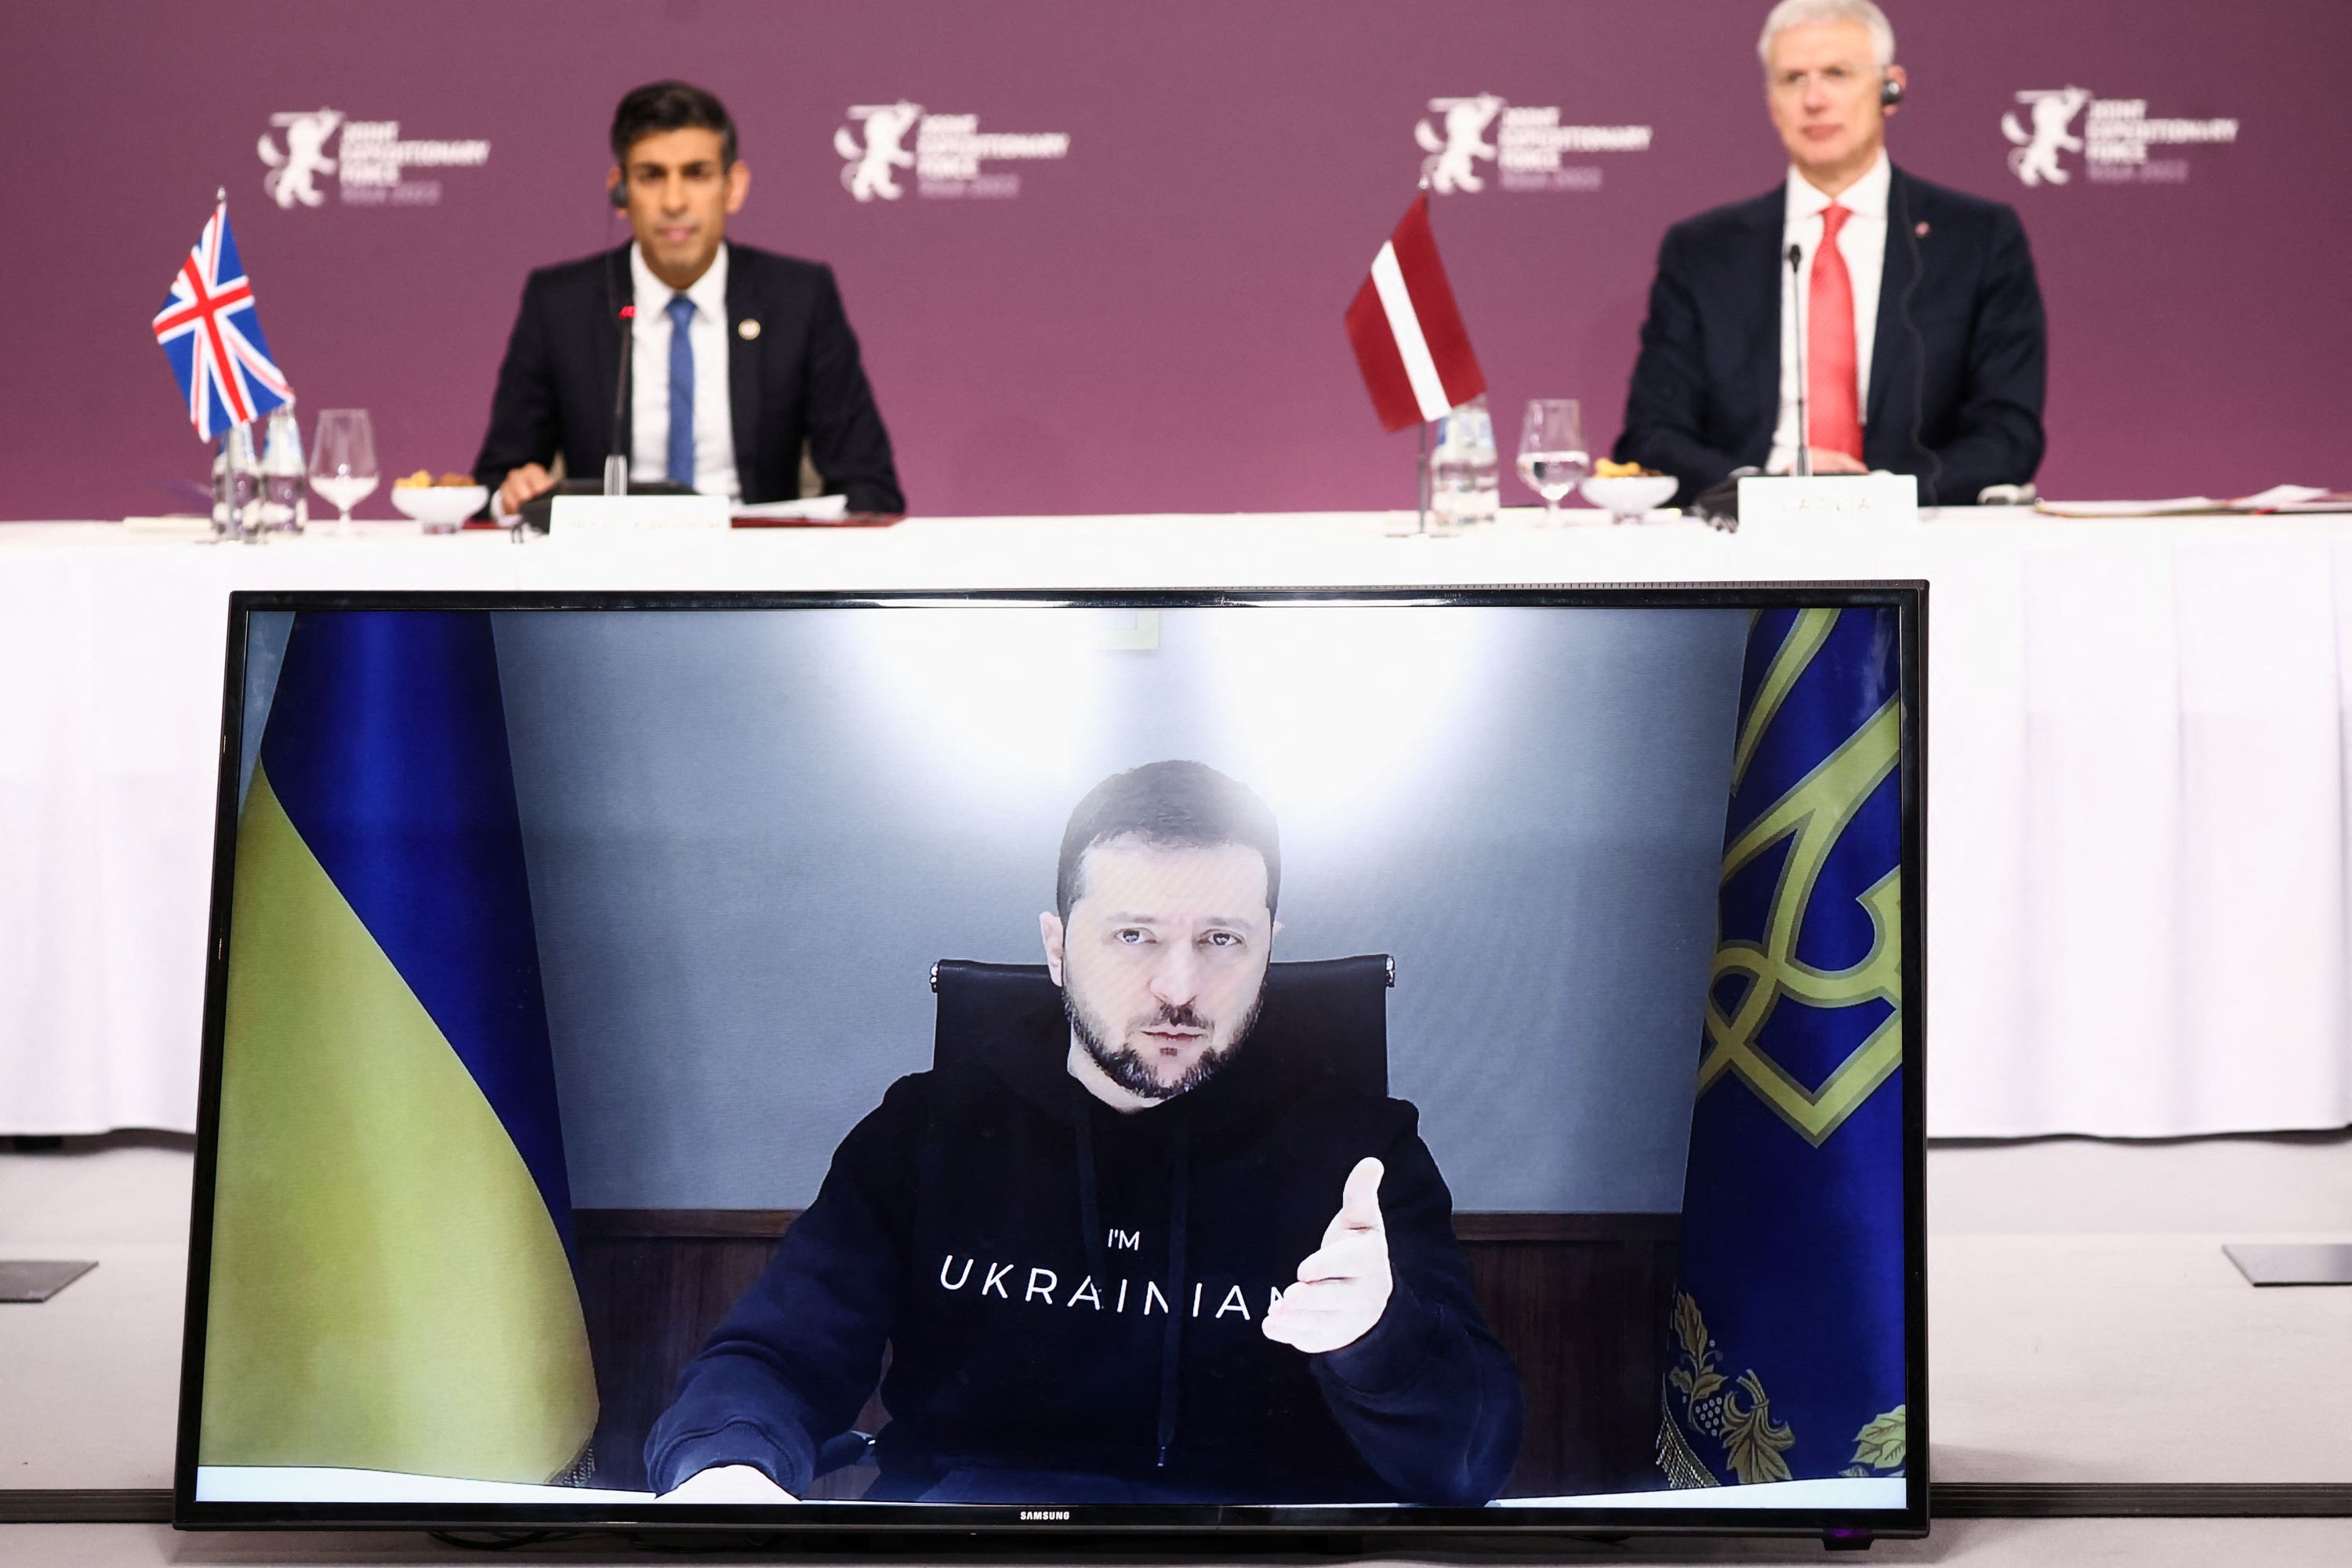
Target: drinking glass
(1552, 457)
(342, 461)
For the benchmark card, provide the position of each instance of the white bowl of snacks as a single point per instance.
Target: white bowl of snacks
(442, 505)
(1628, 492)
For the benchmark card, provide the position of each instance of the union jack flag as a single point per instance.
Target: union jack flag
(210, 333)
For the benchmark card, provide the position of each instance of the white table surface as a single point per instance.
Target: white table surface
(2137, 798)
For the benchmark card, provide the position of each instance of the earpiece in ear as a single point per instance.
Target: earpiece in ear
(1890, 91)
(618, 193)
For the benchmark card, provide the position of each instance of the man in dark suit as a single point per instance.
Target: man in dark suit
(1926, 347)
(741, 356)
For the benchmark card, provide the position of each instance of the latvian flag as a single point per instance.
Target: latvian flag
(1409, 337)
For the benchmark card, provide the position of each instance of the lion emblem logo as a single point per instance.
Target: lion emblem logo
(293, 173)
(868, 173)
(1453, 160)
(2035, 156)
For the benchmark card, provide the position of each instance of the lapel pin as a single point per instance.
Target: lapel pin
(747, 329)
(1921, 230)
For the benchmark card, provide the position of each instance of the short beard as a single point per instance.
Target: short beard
(1126, 1068)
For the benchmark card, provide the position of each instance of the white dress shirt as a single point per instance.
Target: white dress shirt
(714, 430)
(1863, 243)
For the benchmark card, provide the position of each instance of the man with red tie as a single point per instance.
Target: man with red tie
(1925, 346)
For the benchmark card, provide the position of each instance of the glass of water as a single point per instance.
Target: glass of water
(342, 461)
(1552, 456)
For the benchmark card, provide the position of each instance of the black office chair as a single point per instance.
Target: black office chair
(1334, 1010)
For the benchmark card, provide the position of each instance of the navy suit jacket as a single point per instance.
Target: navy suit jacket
(796, 378)
(1965, 371)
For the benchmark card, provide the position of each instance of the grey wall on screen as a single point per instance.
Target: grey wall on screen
(751, 833)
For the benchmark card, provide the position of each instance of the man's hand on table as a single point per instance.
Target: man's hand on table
(728, 1483)
(521, 485)
(1827, 460)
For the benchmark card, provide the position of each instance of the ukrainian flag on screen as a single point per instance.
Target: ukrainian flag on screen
(392, 1286)
(1788, 1323)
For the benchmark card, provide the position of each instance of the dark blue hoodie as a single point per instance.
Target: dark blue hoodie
(1072, 1296)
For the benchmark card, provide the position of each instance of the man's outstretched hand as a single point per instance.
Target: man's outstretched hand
(728, 1483)
(1343, 1285)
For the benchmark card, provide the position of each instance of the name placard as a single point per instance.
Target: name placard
(575, 517)
(1780, 504)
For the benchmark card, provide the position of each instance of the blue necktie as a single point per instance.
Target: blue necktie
(681, 391)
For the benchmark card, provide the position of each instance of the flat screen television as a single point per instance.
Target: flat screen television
(1370, 1065)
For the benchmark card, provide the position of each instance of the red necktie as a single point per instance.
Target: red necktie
(1830, 372)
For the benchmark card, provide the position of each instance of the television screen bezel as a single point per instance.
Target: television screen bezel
(931, 1527)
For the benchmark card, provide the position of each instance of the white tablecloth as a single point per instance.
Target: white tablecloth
(2138, 791)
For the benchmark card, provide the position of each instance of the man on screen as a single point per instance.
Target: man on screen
(1925, 347)
(1147, 1262)
(739, 358)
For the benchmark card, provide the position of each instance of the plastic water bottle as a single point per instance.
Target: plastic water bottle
(284, 507)
(1465, 479)
(245, 485)
(223, 525)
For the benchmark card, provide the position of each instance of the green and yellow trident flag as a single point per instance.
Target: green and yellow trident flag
(1788, 1323)
(392, 1286)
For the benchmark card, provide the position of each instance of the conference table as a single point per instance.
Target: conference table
(2139, 890)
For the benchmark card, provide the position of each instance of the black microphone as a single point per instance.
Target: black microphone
(539, 513)
(616, 460)
(1797, 331)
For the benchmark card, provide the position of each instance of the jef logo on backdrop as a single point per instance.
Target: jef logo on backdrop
(951, 157)
(369, 159)
(2113, 138)
(1530, 148)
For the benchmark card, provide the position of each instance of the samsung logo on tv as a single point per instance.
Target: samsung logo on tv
(1048, 1513)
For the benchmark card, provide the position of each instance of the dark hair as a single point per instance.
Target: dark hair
(1175, 804)
(661, 106)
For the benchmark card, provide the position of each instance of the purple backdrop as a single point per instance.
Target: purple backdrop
(1150, 321)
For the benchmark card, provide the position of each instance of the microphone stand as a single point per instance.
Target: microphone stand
(1797, 331)
(616, 461)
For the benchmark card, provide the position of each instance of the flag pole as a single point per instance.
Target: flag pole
(1422, 527)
